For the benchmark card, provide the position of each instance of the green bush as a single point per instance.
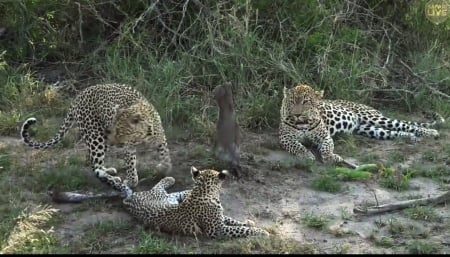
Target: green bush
(176, 53)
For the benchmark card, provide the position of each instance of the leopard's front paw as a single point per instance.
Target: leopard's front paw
(337, 158)
(131, 182)
(111, 171)
(164, 167)
(260, 231)
(310, 156)
(250, 223)
(168, 181)
(116, 179)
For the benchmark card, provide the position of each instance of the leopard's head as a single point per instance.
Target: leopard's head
(208, 180)
(300, 102)
(136, 124)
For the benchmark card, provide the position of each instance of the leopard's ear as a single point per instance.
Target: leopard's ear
(117, 111)
(223, 174)
(194, 172)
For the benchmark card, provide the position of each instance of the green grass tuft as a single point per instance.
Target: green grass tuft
(98, 236)
(315, 221)
(326, 183)
(150, 244)
(275, 244)
(424, 213)
(423, 247)
(394, 179)
(346, 174)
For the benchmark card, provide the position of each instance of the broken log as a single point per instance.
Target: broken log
(402, 205)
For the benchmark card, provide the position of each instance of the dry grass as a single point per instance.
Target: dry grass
(30, 234)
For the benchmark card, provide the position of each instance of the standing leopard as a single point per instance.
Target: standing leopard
(191, 212)
(307, 117)
(107, 115)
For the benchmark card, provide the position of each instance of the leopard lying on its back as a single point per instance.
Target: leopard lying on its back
(111, 114)
(190, 212)
(305, 116)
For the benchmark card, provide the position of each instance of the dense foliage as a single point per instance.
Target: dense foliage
(378, 52)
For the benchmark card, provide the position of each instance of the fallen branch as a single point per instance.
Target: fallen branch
(403, 204)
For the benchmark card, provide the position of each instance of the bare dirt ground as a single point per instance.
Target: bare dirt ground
(274, 192)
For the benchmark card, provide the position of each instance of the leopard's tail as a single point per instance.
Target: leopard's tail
(68, 122)
(75, 197)
(436, 119)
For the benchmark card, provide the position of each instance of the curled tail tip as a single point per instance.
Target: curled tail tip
(29, 122)
(24, 130)
(438, 117)
(26, 124)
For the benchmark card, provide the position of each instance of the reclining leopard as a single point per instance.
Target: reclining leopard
(305, 116)
(191, 212)
(111, 114)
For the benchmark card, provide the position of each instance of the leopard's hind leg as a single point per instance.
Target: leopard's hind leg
(235, 231)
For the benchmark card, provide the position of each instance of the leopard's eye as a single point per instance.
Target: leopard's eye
(135, 119)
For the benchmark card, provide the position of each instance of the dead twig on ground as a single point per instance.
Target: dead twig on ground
(403, 204)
